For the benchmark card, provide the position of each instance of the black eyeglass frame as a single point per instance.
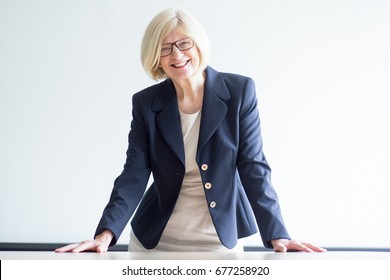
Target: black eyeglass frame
(177, 46)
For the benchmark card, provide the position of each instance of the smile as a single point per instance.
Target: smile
(180, 64)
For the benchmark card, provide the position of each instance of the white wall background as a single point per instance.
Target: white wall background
(68, 70)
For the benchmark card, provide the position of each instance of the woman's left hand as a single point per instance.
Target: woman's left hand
(284, 245)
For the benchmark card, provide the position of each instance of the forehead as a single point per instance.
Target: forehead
(176, 34)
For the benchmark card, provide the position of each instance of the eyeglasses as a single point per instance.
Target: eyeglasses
(182, 44)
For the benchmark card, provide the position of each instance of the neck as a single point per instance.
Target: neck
(190, 93)
(191, 87)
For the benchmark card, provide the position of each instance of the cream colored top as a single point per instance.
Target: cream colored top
(190, 227)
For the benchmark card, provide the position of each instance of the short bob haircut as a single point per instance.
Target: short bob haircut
(160, 26)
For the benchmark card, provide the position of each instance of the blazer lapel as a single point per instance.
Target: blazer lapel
(213, 111)
(168, 119)
(214, 108)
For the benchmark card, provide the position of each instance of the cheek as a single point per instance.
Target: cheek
(193, 56)
(196, 61)
(164, 64)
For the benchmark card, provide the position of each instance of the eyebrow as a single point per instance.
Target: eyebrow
(175, 41)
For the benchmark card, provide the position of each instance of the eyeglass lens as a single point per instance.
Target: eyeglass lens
(182, 45)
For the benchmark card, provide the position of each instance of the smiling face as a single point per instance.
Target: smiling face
(179, 65)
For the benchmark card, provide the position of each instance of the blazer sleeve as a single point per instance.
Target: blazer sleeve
(255, 173)
(130, 185)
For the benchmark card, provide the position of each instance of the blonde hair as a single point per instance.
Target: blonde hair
(159, 27)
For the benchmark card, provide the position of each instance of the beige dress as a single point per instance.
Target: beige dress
(190, 227)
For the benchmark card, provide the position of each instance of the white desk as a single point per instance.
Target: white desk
(342, 255)
(124, 265)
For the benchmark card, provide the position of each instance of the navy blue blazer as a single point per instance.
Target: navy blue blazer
(229, 155)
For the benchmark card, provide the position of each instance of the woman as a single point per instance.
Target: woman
(198, 133)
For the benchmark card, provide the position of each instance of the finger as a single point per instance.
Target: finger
(85, 246)
(314, 247)
(66, 248)
(280, 247)
(101, 249)
(296, 245)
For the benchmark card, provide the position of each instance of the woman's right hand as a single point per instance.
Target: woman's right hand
(99, 244)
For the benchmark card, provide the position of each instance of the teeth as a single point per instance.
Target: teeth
(180, 64)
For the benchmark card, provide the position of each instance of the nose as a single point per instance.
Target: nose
(176, 53)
